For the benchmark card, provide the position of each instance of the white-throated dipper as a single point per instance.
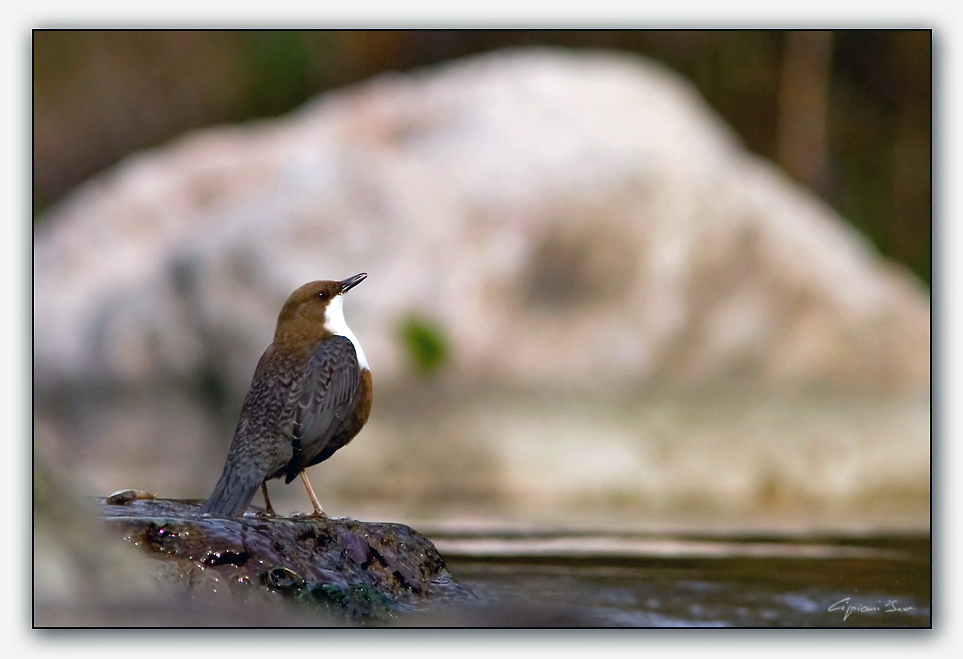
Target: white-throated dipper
(310, 395)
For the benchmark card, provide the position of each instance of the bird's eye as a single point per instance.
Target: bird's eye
(323, 295)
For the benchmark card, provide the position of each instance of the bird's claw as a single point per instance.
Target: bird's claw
(318, 514)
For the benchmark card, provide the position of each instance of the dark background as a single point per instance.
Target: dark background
(847, 113)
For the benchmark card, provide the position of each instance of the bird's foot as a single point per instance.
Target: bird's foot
(317, 514)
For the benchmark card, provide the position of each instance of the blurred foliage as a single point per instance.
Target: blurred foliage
(277, 72)
(424, 343)
(99, 95)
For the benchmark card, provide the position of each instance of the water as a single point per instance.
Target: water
(631, 581)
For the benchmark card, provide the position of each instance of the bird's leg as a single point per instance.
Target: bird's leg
(318, 512)
(267, 501)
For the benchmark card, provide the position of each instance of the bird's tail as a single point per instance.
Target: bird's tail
(233, 492)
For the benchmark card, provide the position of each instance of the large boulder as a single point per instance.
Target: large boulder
(579, 229)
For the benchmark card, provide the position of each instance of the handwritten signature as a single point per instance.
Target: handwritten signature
(848, 608)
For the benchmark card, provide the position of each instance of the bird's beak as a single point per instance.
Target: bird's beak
(351, 282)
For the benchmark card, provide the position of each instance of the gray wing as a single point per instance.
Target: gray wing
(328, 387)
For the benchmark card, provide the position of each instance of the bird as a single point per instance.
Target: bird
(310, 395)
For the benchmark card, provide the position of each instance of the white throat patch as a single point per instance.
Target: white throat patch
(334, 322)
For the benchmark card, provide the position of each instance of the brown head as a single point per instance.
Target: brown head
(314, 311)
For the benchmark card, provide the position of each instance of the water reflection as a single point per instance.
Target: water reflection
(746, 582)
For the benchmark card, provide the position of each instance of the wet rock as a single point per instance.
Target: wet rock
(342, 569)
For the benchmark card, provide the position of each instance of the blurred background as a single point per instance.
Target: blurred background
(847, 113)
(616, 278)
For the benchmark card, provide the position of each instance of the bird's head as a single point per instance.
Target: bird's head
(314, 309)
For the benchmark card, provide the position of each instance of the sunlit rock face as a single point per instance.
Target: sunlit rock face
(580, 226)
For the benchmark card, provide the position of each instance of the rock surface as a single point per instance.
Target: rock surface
(525, 201)
(342, 569)
(583, 231)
